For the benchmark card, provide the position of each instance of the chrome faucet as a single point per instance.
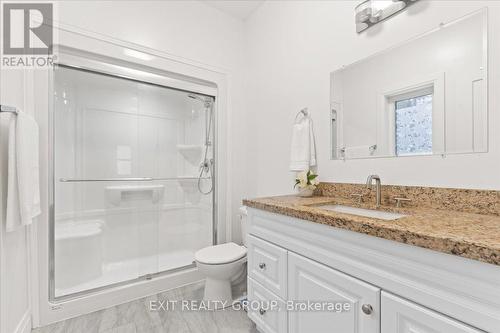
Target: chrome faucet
(369, 184)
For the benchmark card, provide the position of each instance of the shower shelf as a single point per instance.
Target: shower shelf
(192, 153)
(118, 194)
(196, 148)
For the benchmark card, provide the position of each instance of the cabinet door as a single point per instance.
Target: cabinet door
(402, 316)
(309, 280)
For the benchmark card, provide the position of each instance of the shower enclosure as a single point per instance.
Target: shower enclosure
(133, 180)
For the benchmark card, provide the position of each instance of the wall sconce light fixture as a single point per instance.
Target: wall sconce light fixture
(371, 12)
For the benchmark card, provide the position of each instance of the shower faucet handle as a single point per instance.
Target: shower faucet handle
(400, 200)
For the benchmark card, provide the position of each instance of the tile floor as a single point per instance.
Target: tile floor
(136, 317)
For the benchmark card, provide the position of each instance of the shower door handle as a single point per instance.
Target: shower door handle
(77, 180)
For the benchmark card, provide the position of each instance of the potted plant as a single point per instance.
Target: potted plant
(306, 182)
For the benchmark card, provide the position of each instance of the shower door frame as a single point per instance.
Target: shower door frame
(53, 180)
(211, 81)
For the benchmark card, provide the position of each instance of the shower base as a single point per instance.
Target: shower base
(126, 270)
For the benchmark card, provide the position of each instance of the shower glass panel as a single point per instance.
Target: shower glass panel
(128, 201)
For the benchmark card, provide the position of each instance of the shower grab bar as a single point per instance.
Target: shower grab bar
(76, 180)
(143, 179)
(6, 108)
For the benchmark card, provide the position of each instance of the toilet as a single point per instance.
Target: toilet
(221, 264)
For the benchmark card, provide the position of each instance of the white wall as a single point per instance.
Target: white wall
(15, 307)
(292, 46)
(186, 29)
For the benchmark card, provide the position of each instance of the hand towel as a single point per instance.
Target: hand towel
(23, 184)
(303, 150)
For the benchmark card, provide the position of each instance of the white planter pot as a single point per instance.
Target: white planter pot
(305, 192)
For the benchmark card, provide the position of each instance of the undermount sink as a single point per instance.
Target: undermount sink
(377, 214)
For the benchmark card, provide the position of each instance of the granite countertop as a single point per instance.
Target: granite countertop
(469, 235)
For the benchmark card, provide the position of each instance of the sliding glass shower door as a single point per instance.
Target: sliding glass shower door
(133, 180)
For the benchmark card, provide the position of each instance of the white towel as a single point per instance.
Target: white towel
(303, 151)
(23, 184)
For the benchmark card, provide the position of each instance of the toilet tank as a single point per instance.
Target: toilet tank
(244, 223)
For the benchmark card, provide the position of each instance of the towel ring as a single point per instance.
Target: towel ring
(304, 112)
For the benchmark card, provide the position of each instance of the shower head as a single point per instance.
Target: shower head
(207, 101)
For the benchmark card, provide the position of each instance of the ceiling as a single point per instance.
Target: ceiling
(240, 9)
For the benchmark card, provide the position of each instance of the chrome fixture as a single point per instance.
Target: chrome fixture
(133, 179)
(399, 201)
(371, 12)
(207, 165)
(369, 184)
(6, 108)
(359, 197)
(82, 180)
(367, 309)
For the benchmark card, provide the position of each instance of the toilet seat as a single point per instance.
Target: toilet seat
(220, 254)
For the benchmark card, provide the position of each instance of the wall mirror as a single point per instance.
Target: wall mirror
(426, 96)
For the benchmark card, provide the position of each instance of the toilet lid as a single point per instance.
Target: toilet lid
(220, 254)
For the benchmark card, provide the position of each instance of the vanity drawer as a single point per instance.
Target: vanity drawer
(267, 264)
(266, 309)
(401, 316)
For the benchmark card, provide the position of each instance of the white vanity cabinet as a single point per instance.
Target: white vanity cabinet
(390, 287)
(306, 283)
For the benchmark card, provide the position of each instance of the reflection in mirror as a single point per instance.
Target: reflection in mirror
(425, 96)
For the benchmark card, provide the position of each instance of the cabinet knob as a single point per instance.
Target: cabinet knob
(367, 309)
(262, 265)
(262, 311)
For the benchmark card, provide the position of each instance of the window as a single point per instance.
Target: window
(413, 122)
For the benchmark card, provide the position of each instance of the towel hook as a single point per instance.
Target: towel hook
(304, 112)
